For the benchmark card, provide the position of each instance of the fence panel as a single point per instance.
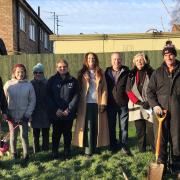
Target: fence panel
(75, 62)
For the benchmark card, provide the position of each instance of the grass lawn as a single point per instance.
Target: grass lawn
(100, 166)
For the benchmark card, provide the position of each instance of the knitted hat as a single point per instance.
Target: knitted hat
(38, 68)
(169, 48)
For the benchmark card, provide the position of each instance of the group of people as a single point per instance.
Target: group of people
(95, 99)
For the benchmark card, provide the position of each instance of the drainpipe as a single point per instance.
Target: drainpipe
(17, 30)
(38, 33)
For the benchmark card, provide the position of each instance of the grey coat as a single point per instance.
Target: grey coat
(40, 115)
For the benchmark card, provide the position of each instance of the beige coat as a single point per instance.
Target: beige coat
(103, 131)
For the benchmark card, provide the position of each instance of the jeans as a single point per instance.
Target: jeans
(122, 112)
(23, 135)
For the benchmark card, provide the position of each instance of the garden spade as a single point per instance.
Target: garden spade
(155, 169)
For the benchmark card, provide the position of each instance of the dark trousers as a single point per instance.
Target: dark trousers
(122, 112)
(62, 127)
(144, 131)
(45, 139)
(90, 132)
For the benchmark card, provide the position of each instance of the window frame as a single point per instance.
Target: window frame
(32, 30)
(22, 19)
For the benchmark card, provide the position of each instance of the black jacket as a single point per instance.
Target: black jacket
(63, 94)
(117, 91)
(3, 102)
(164, 90)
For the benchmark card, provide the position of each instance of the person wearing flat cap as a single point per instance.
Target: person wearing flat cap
(164, 97)
(40, 120)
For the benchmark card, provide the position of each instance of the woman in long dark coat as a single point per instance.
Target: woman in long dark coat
(40, 120)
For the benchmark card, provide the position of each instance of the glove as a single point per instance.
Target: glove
(158, 110)
(146, 105)
(102, 108)
(140, 103)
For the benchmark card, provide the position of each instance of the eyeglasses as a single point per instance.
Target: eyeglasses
(60, 67)
(38, 72)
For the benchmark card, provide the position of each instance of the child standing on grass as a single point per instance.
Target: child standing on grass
(21, 100)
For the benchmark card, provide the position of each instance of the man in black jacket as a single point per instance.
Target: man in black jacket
(164, 96)
(116, 77)
(63, 92)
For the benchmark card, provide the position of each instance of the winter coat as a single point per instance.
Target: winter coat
(136, 111)
(164, 90)
(117, 91)
(20, 97)
(40, 117)
(102, 122)
(63, 94)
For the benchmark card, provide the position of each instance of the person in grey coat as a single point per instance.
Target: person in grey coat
(40, 120)
(21, 101)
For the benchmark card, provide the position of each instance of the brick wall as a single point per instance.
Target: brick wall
(6, 27)
(16, 40)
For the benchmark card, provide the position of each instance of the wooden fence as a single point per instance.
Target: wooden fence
(74, 60)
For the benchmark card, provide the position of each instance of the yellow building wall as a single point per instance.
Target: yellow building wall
(101, 44)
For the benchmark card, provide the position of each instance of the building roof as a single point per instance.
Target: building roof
(35, 15)
(86, 37)
(176, 28)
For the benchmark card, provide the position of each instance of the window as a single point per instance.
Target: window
(21, 19)
(41, 35)
(45, 40)
(32, 30)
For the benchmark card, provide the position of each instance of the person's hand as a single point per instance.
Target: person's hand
(146, 105)
(5, 117)
(140, 103)
(59, 113)
(66, 112)
(158, 110)
(102, 108)
(24, 119)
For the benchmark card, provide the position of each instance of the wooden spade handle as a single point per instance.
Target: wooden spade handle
(158, 142)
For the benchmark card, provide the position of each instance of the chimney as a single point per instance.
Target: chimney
(39, 11)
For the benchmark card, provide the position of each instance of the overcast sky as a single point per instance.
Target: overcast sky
(106, 16)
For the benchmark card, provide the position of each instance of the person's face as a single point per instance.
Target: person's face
(139, 62)
(62, 68)
(91, 61)
(169, 59)
(19, 73)
(38, 75)
(116, 61)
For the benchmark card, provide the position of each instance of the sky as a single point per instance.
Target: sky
(106, 16)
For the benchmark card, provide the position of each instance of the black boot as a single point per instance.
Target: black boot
(67, 153)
